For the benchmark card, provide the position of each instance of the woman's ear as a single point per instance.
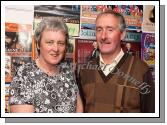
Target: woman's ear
(38, 47)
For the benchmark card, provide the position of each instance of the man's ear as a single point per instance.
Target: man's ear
(123, 35)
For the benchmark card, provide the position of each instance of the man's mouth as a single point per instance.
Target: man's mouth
(105, 42)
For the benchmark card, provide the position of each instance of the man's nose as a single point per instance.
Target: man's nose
(103, 35)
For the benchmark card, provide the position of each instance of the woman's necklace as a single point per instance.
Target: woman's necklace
(50, 73)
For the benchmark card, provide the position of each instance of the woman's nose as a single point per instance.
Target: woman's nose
(55, 47)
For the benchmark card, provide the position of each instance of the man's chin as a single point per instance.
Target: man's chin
(106, 52)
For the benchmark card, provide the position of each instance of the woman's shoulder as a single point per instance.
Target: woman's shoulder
(26, 67)
(67, 69)
(23, 71)
(66, 66)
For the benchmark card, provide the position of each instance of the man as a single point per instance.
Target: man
(95, 52)
(129, 49)
(116, 81)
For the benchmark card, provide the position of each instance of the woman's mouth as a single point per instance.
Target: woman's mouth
(54, 55)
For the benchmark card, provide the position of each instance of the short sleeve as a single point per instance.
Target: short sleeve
(21, 90)
(70, 76)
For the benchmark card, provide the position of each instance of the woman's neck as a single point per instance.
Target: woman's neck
(47, 68)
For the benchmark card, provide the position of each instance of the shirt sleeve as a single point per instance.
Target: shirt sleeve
(21, 90)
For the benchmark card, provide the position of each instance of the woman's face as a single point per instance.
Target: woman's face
(52, 46)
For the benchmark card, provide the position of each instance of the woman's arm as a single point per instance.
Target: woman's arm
(79, 104)
(22, 108)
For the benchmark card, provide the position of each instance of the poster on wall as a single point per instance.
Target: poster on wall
(133, 15)
(88, 17)
(70, 55)
(148, 48)
(132, 48)
(84, 50)
(87, 28)
(18, 42)
(91, 11)
(87, 34)
(132, 36)
(70, 14)
(18, 37)
(132, 43)
(148, 18)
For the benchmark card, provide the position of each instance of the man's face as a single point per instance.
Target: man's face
(52, 46)
(108, 34)
(128, 45)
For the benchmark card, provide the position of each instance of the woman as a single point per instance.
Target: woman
(48, 83)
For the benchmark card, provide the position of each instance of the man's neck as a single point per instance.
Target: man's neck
(108, 58)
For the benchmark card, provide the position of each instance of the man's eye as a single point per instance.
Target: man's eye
(110, 30)
(98, 30)
(49, 42)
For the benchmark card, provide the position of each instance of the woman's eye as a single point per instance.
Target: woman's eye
(61, 43)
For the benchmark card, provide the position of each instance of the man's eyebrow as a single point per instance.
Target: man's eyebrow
(106, 27)
(98, 27)
(111, 27)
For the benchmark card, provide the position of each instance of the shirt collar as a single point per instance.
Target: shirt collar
(117, 59)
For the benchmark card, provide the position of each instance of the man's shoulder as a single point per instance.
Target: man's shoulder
(89, 67)
(94, 60)
(140, 64)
